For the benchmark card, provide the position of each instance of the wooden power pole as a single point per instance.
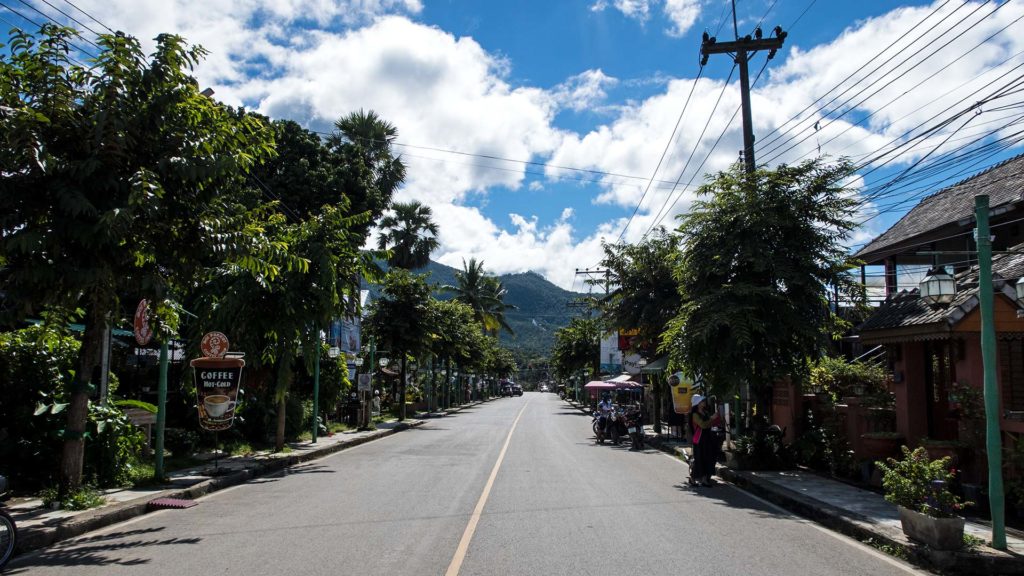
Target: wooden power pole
(741, 50)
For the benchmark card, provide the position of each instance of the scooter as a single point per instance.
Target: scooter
(8, 531)
(635, 427)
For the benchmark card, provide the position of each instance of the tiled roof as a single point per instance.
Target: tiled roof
(906, 308)
(1003, 182)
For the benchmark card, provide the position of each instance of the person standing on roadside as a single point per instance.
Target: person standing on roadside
(702, 461)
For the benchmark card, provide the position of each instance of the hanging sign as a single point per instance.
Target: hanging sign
(681, 386)
(217, 381)
(214, 345)
(143, 332)
(364, 383)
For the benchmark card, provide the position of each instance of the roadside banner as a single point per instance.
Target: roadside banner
(217, 379)
(681, 386)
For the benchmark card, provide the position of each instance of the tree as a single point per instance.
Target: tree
(410, 234)
(399, 320)
(577, 347)
(371, 175)
(281, 317)
(645, 294)
(484, 294)
(761, 252)
(112, 181)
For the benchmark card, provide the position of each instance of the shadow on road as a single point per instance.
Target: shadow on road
(96, 551)
(732, 497)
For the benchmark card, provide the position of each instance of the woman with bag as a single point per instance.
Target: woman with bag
(702, 461)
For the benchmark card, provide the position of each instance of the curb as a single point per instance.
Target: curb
(35, 537)
(983, 560)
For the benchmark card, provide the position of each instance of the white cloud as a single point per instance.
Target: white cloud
(450, 92)
(553, 251)
(436, 88)
(636, 9)
(682, 14)
(583, 91)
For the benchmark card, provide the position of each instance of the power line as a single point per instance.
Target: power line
(767, 137)
(663, 154)
(93, 18)
(921, 83)
(845, 105)
(39, 26)
(504, 159)
(658, 218)
(72, 18)
(51, 19)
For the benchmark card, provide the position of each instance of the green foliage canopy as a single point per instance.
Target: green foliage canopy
(761, 252)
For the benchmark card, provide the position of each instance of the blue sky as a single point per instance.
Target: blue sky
(597, 86)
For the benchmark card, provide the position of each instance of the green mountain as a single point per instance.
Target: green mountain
(541, 307)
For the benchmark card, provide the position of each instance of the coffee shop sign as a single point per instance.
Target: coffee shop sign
(217, 382)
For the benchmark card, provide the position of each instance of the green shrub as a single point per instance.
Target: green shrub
(921, 484)
(82, 499)
(837, 377)
(762, 451)
(181, 442)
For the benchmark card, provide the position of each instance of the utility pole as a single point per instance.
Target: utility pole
(993, 440)
(741, 50)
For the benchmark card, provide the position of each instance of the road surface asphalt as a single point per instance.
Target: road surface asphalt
(557, 504)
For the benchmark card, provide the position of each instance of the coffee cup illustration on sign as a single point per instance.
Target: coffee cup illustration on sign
(217, 383)
(217, 404)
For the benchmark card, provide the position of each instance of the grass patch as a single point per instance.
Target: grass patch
(239, 448)
(82, 499)
(895, 551)
(971, 541)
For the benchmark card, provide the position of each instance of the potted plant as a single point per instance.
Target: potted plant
(952, 449)
(919, 486)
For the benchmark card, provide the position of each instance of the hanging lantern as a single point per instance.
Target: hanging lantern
(938, 287)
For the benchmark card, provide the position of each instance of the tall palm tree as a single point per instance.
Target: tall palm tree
(484, 294)
(363, 143)
(410, 233)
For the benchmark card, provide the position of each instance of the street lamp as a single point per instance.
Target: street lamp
(334, 352)
(358, 361)
(938, 287)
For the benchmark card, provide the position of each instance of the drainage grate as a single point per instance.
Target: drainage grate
(161, 503)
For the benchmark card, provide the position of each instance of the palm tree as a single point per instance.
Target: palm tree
(363, 144)
(484, 294)
(410, 234)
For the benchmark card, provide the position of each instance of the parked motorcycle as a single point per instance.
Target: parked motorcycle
(635, 427)
(616, 425)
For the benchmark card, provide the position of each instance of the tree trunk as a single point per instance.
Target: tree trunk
(281, 414)
(72, 457)
(432, 401)
(401, 391)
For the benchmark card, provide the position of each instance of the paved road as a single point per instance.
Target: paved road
(558, 504)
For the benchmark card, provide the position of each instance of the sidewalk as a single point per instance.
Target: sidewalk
(861, 514)
(39, 527)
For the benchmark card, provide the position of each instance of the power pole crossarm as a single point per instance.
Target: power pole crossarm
(741, 49)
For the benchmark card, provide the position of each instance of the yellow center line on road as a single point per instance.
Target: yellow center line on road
(467, 535)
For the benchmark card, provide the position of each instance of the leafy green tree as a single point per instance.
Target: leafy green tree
(483, 293)
(410, 234)
(400, 320)
(577, 347)
(112, 180)
(761, 253)
(645, 294)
